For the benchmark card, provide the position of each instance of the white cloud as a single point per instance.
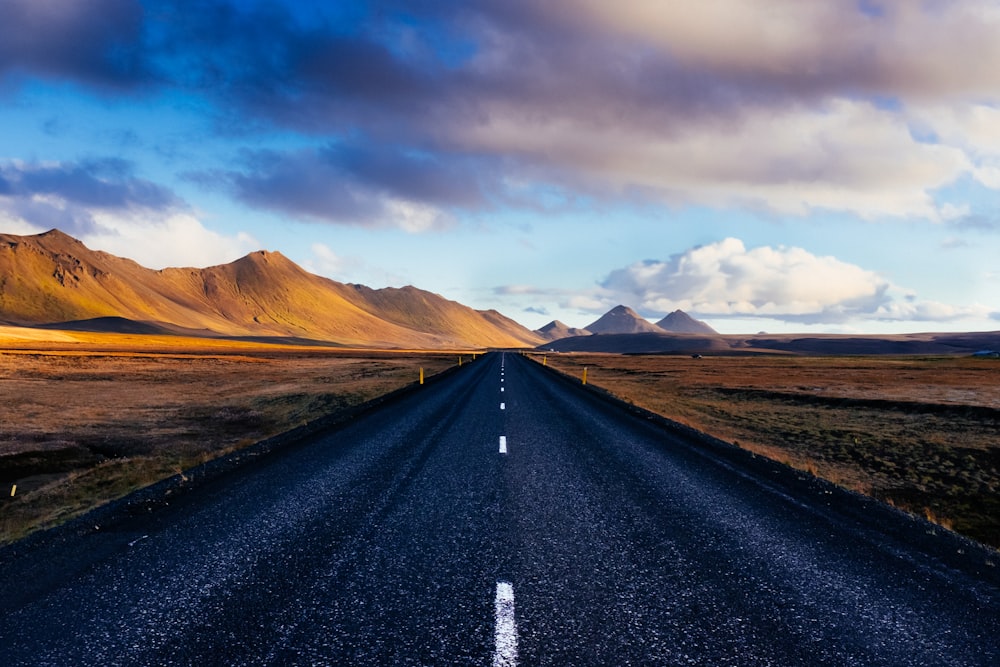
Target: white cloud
(929, 311)
(325, 262)
(725, 279)
(171, 240)
(154, 239)
(845, 156)
(10, 224)
(414, 217)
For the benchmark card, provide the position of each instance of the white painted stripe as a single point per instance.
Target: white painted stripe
(505, 652)
(503, 444)
(503, 406)
(501, 388)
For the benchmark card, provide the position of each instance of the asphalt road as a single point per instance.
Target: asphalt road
(502, 516)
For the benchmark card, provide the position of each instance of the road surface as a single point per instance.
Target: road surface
(502, 516)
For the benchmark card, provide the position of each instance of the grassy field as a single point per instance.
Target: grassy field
(86, 422)
(920, 433)
(88, 418)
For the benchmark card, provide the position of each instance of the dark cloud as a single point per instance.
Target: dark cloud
(68, 196)
(105, 183)
(98, 42)
(74, 220)
(350, 182)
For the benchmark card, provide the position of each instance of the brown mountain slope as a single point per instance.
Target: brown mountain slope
(432, 314)
(52, 277)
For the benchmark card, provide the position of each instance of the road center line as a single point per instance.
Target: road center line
(503, 444)
(503, 406)
(505, 652)
(501, 388)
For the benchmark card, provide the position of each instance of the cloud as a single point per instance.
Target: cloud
(421, 110)
(975, 222)
(105, 205)
(677, 105)
(850, 156)
(96, 42)
(159, 240)
(325, 262)
(727, 279)
(66, 195)
(102, 183)
(519, 290)
(355, 183)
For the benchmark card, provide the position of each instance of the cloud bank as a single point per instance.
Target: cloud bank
(728, 280)
(789, 106)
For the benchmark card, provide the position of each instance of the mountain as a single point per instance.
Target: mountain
(555, 330)
(622, 320)
(680, 322)
(52, 278)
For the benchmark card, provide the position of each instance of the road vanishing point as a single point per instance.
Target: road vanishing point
(501, 515)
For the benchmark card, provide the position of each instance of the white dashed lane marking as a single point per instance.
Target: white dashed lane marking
(505, 652)
(503, 406)
(503, 444)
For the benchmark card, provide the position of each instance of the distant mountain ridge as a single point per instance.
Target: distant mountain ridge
(623, 320)
(53, 278)
(680, 322)
(555, 330)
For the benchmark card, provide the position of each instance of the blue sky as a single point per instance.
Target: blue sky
(781, 165)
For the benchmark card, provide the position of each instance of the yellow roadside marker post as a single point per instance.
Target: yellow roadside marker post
(13, 490)
(585, 375)
(421, 375)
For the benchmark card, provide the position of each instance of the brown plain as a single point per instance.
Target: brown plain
(86, 418)
(922, 433)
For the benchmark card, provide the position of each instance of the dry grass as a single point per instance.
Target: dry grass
(88, 424)
(921, 433)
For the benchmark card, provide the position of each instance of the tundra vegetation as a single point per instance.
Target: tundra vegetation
(89, 422)
(920, 433)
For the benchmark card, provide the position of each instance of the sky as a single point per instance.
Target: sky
(769, 165)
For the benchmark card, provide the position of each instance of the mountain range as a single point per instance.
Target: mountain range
(54, 280)
(623, 331)
(624, 320)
